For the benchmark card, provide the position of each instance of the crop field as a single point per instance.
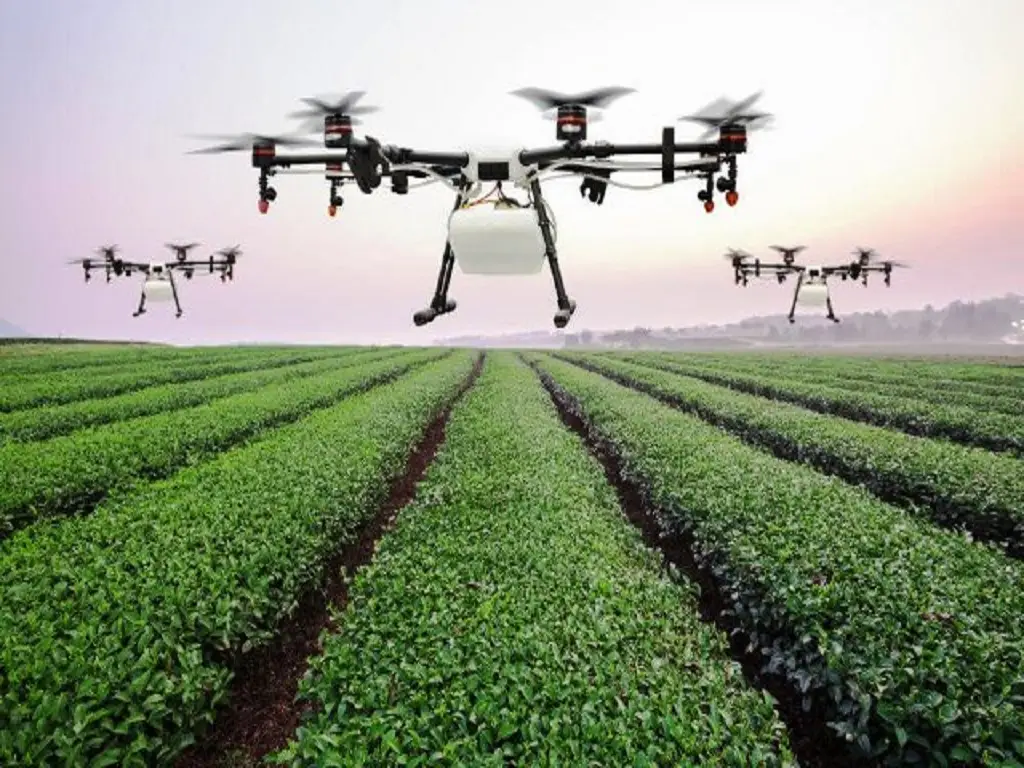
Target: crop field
(384, 556)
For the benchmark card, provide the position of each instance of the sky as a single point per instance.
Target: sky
(897, 126)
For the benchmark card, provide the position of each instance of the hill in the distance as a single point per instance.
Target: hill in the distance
(10, 331)
(961, 323)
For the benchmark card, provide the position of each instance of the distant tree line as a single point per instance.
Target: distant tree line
(992, 320)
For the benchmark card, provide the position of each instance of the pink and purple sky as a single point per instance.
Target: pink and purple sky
(898, 127)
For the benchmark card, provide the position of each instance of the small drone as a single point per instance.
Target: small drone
(811, 282)
(159, 284)
(508, 236)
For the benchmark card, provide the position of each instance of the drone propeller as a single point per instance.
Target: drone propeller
(249, 141)
(789, 254)
(322, 106)
(723, 112)
(108, 251)
(598, 97)
(571, 109)
(181, 251)
(736, 256)
(230, 254)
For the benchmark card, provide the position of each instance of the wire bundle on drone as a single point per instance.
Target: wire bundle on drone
(513, 237)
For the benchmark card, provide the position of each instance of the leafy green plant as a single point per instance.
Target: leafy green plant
(69, 475)
(117, 629)
(980, 396)
(992, 431)
(953, 485)
(46, 422)
(71, 386)
(908, 636)
(513, 616)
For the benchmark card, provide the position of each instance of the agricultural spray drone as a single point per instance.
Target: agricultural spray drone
(812, 282)
(508, 236)
(159, 284)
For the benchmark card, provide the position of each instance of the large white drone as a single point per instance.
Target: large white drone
(811, 291)
(159, 285)
(492, 233)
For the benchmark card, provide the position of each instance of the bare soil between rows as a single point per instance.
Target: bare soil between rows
(812, 741)
(262, 713)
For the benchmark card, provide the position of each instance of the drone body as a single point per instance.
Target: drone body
(812, 289)
(159, 284)
(503, 235)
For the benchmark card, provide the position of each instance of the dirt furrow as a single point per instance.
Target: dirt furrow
(261, 714)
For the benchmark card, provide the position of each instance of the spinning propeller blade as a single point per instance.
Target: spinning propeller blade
(244, 142)
(321, 106)
(546, 100)
(722, 111)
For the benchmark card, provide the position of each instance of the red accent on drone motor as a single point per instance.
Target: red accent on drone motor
(264, 206)
(709, 205)
(337, 131)
(732, 197)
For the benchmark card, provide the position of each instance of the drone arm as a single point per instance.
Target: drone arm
(406, 156)
(134, 265)
(603, 151)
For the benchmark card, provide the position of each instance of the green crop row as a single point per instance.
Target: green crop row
(955, 371)
(513, 617)
(46, 422)
(117, 630)
(954, 485)
(70, 474)
(905, 636)
(183, 356)
(1004, 400)
(991, 431)
(59, 358)
(72, 386)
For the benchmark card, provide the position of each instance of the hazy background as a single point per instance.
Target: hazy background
(898, 127)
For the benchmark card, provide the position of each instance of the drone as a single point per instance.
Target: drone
(159, 284)
(492, 232)
(811, 282)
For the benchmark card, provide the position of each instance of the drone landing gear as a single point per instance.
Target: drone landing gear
(796, 294)
(440, 304)
(830, 314)
(566, 306)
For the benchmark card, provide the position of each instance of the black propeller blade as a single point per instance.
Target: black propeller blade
(723, 111)
(598, 97)
(181, 251)
(245, 142)
(230, 254)
(321, 106)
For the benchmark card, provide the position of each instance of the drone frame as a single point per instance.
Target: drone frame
(367, 162)
(744, 265)
(114, 266)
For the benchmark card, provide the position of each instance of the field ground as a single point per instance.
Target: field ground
(344, 556)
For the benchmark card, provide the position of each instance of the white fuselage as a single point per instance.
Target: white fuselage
(494, 240)
(157, 286)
